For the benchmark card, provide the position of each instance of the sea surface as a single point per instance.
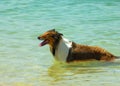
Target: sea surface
(89, 22)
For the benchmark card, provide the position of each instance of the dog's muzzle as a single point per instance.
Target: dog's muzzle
(39, 38)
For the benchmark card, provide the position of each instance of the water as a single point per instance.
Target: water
(90, 22)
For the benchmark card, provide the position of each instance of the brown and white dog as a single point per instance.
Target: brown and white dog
(68, 51)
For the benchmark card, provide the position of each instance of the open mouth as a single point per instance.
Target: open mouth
(43, 43)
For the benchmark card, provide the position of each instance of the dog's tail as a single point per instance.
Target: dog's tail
(117, 57)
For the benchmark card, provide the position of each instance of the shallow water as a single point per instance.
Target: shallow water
(90, 22)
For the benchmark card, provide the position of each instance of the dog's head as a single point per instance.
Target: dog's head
(50, 37)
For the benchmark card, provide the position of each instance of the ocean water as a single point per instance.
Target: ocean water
(89, 22)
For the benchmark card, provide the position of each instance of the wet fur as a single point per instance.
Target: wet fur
(83, 52)
(78, 52)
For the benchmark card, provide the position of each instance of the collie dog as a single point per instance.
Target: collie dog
(67, 51)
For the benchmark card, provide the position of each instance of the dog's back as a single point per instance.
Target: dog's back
(83, 52)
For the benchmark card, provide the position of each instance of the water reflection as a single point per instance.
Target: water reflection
(60, 71)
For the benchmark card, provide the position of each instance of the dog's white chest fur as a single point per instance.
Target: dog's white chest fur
(62, 50)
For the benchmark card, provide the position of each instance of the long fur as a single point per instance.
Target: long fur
(64, 50)
(83, 52)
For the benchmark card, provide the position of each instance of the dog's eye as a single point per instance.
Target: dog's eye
(52, 36)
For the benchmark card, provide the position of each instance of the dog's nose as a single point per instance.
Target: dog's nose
(38, 37)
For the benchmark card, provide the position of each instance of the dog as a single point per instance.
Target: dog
(64, 50)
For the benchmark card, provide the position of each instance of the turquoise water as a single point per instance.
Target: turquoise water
(90, 22)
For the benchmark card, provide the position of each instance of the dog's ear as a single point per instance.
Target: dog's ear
(52, 30)
(60, 34)
(57, 36)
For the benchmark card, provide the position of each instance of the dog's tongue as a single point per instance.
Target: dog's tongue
(43, 43)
